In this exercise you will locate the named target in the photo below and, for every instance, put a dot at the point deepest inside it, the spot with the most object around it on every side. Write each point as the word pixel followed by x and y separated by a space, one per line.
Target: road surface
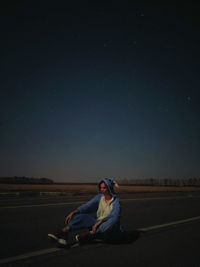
pixel 170 224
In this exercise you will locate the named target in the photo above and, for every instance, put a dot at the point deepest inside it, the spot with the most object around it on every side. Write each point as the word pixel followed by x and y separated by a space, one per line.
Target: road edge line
pixel 155 227
pixel 29 255
pixel 81 202
pixel 53 250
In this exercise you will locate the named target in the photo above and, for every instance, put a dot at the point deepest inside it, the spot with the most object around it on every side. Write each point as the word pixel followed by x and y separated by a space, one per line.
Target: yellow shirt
pixel 104 208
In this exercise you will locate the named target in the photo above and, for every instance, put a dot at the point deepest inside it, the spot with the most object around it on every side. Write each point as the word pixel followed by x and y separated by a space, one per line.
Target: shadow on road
pixel 125 237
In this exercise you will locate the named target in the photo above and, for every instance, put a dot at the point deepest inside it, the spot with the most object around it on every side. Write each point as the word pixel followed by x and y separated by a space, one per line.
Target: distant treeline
pixel 161 182
pixel 25 180
pixel 137 182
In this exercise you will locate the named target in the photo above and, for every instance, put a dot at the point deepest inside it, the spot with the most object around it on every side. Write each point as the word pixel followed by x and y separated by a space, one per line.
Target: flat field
pixel 77 189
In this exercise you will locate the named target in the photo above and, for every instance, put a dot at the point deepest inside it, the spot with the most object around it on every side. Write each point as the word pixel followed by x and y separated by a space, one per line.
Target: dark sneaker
pixel 84 237
pixel 59 236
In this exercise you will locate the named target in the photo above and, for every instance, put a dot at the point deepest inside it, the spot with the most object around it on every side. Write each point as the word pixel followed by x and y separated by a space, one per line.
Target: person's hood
pixel 110 184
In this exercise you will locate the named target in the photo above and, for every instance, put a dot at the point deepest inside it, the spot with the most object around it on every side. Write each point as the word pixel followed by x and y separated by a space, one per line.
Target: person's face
pixel 104 188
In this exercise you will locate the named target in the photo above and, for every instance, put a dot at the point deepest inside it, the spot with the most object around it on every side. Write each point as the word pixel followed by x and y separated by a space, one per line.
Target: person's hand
pixel 94 228
pixel 69 217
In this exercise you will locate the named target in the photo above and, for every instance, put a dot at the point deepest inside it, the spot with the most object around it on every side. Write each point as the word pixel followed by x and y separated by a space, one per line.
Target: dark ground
pixel 24 230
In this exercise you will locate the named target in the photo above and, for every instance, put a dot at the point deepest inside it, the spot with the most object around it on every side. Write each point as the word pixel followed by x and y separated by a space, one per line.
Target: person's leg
pixel 60 236
pixel 79 221
pixel 66 229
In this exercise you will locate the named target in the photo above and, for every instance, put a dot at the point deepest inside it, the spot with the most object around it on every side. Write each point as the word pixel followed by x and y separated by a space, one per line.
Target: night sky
pixel 99 89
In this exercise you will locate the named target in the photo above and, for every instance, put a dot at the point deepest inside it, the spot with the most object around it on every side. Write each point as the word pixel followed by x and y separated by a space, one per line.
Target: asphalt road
pixel 25 222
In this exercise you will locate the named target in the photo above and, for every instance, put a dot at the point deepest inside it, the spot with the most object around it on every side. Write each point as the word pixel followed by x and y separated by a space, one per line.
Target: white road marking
pixel 155 198
pixel 146 229
pixel 81 202
pixel 29 255
pixel 53 250
pixel 42 205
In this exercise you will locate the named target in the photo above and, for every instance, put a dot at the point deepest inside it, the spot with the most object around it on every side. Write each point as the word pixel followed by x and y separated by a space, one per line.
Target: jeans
pixel 82 221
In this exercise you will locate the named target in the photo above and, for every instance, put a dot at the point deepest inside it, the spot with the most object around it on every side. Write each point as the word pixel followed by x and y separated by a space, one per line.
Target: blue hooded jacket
pixel 112 221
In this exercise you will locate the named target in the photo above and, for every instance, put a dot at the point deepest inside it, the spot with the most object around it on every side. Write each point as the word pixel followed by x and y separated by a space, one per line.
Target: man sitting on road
pixel 107 222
